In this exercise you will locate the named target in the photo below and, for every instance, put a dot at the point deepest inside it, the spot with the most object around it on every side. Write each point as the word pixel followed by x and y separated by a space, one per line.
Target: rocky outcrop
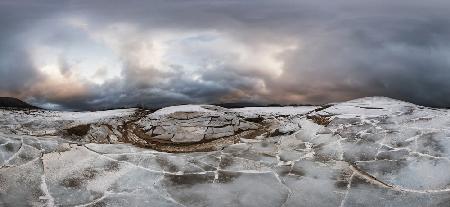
pixel 179 131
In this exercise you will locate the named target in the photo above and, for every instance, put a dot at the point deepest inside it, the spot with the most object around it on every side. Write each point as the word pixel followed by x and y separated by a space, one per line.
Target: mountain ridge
pixel 11 102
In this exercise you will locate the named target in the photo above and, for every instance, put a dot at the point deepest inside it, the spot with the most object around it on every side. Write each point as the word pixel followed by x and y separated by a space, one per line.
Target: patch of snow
pixel 89 117
pixel 287 110
pixel 180 108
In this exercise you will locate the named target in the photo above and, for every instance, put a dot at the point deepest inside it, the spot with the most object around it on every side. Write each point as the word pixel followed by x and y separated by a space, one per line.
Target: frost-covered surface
pixel 366 152
pixel 180 108
pixel 42 122
pixel 97 116
pixel 276 111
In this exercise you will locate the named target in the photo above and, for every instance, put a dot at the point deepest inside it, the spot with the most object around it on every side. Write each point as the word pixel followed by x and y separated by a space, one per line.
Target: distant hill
pixel 238 105
pixel 250 104
pixel 9 102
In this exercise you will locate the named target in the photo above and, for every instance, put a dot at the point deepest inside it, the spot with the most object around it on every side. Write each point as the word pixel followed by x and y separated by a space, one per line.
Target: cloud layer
pixel 98 54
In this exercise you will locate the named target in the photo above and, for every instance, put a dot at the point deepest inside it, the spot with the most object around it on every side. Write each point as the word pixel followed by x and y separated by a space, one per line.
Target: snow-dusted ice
pixel 372 151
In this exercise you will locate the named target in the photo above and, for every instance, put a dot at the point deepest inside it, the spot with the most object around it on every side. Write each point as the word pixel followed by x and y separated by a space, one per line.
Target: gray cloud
pixel 173 52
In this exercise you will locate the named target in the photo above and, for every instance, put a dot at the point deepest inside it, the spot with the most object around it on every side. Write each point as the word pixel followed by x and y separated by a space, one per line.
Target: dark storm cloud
pixel 400 58
pixel 341 50
pixel 16 70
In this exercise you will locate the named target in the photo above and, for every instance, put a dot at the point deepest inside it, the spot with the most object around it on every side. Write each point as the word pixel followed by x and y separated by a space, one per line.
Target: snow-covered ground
pixel 180 108
pixel 276 111
pixel 372 151
pixel 42 122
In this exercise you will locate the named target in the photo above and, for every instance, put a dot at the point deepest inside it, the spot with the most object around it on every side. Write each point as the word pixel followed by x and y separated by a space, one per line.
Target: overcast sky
pixel 87 54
